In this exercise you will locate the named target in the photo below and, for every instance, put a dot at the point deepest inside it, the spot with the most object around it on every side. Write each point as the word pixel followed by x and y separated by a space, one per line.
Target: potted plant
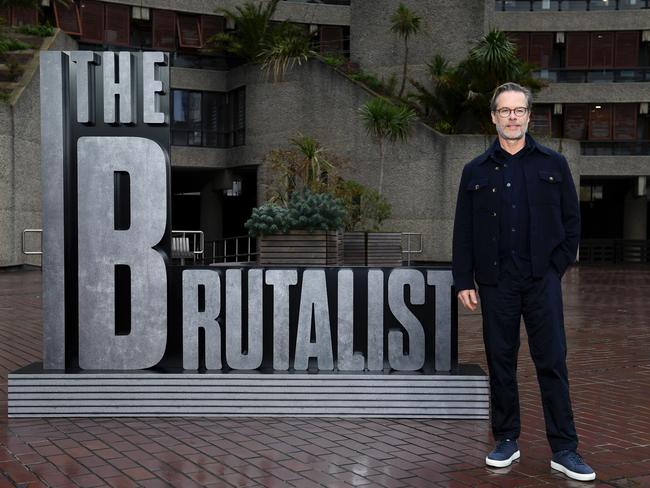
pixel 363 243
pixel 304 232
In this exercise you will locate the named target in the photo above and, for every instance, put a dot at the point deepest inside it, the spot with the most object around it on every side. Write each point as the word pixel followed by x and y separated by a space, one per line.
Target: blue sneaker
pixel 503 454
pixel 571 464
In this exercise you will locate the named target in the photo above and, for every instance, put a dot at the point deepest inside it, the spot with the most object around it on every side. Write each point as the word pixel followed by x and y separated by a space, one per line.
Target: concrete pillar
pixel 211 212
pixel 635 215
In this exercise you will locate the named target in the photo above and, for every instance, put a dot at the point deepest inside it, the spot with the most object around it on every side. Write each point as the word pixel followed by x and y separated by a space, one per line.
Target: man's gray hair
pixel 511 87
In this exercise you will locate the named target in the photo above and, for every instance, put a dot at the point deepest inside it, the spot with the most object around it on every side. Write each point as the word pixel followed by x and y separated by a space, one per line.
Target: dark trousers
pixel 539 300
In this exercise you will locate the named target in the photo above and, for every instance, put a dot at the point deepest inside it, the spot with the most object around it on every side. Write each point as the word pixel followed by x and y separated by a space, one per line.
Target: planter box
pixel 298 247
pixel 372 249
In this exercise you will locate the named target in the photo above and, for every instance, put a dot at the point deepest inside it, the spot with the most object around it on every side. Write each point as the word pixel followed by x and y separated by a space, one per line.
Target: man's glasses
pixel 505 112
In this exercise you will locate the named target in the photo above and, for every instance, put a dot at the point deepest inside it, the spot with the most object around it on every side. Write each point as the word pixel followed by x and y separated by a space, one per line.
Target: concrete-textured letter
pixel 313 303
pixel 102 248
pixel 281 279
pixel 196 316
pixel 415 358
pixel 124 89
pixel 151 86
pixel 237 359
pixel 347 359
pixel 375 320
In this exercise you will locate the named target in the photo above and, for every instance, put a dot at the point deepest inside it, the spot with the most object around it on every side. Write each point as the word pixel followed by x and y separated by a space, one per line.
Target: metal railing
pixel 238 249
pixel 614 251
pixel 408 250
pixel 187 244
pixel 23 242
pixel 606 75
pixel 568 5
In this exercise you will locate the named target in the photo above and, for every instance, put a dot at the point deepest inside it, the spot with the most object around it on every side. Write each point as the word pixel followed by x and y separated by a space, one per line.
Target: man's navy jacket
pixel 554 216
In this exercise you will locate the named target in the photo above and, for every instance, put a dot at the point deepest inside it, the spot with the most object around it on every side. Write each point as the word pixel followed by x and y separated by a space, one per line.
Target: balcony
pixel 572 75
pixel 569 5
pixel 615 148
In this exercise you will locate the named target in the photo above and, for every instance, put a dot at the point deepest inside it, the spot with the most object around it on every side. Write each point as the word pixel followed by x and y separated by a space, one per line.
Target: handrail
pixel 571 5
pixel 194 233
pixel 24 240
pixel 182 238
pixel 410 251
pixel 222 245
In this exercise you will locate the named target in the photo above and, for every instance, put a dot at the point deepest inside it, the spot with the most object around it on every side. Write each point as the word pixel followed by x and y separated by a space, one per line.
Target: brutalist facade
pixel 595 55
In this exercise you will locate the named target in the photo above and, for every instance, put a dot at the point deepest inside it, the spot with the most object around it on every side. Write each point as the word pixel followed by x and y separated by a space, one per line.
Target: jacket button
pixel 494 214
pixel 477 187
pixel 494 190
pixel 550 178
pixel 495 263
pixel 497 168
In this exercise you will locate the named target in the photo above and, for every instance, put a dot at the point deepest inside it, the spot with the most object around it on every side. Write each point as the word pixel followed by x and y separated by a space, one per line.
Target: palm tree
pixel 277 47
pixel 289 46
pixel 490 63
pixel 405 23
pixel 458 97
pixel 386 123
pixel 315 164
pixel 252 29
pixel 443 104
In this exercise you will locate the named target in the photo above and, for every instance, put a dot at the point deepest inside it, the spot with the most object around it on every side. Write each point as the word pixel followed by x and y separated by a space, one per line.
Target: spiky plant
pixel 386 122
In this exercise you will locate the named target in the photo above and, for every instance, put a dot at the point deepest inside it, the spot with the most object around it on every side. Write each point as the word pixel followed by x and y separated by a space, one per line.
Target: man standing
pixel 516 231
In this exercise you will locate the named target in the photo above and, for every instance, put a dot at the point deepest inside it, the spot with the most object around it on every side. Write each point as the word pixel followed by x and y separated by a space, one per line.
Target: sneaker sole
pixel 572 474
pixel 502 464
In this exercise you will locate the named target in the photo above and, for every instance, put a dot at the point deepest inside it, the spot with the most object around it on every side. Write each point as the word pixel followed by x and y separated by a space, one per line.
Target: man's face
pixel 511 127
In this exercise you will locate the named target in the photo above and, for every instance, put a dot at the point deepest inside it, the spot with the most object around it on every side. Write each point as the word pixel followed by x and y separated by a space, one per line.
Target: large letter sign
pixel 128 332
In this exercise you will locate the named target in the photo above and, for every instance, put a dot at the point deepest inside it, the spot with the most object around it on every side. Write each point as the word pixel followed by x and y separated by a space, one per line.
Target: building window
pixel 105 23
pixel 164 29
pixel 189 31
pixel 209 119
pixel 67 17
pixel 16 16
pixel 540 120
pixel 575 121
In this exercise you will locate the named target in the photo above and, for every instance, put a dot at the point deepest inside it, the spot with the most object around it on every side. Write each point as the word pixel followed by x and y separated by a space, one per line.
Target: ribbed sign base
pixel 34 392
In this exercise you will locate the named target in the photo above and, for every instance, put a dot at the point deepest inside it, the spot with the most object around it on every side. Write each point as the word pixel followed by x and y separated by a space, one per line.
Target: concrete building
pixel 226 117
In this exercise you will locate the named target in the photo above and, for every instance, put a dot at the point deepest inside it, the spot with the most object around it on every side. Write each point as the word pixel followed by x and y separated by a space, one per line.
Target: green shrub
pixel 315 211
pixel 305 211
pixel 269 218
pixel 334 60
pixel 37 30
pixel 8 44
pixel 367 79
pixel 365 208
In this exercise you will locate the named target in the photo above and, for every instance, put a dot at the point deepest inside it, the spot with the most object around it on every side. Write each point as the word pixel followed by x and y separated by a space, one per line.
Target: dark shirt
pixel 514 221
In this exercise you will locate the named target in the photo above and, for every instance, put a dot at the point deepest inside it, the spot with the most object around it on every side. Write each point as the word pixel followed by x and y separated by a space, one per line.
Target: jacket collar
pixel 531 144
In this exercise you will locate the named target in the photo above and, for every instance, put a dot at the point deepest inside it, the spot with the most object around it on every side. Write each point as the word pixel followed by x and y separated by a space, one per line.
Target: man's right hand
pixel 468 299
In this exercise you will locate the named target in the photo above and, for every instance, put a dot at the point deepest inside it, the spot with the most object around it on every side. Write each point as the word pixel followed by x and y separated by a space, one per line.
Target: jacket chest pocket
pixel 546 188
pixel 480 191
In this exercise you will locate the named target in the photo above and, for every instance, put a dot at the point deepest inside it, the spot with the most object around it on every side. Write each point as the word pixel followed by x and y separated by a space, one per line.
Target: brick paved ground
pixel 608 332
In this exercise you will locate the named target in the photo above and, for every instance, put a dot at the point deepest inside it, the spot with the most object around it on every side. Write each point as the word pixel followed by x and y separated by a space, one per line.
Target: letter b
pixel 102 248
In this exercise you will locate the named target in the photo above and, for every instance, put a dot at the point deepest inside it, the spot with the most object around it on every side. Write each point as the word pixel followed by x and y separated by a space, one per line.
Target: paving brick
pixel 608 337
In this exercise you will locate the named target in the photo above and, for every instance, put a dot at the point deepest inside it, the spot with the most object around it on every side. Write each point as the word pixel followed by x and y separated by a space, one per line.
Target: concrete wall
pixel 615 165
pixel 450 27
pixel 20 161
pixel 594 93
pixel 568 21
